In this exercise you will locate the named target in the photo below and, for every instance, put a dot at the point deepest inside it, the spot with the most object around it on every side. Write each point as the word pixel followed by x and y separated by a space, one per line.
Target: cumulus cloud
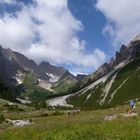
pixel 123 19
pixel 7 1
pixel 47 30
pixel 17 32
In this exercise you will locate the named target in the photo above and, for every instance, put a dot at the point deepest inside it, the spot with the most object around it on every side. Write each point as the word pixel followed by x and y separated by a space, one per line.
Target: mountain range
pixel 16 70
pixel 14 64
pixel 115 82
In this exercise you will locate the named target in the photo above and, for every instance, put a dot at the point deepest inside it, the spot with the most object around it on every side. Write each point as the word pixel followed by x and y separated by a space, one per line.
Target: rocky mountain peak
pixel 124 51
pixel 112 62
pixel 136 38
pixel 46 68
pixel 119 58
pixel 105 68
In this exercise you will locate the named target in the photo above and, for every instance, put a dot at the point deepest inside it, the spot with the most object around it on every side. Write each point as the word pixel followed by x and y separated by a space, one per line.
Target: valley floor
pixel 87 125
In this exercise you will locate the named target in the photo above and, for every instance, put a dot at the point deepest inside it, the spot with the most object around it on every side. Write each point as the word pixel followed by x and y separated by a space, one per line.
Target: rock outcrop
pixel 105 68
pixel 125 52
pixel 119 58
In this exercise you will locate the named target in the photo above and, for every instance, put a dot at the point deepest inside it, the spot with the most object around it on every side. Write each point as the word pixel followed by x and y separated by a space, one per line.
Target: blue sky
pixel 94 22
pixel 79 35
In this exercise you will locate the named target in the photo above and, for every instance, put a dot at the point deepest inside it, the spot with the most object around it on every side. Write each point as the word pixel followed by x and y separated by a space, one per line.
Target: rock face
pixel 125 52
pixel 112 62
pixel 119 58
pixel 45 70
pixel 25 63
pixel 7 69
pixel 105 68
pixel 135 48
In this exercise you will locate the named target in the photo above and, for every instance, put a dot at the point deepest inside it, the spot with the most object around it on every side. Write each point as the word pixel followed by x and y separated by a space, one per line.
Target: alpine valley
pixel 113 83
pixel 69 70
pixel 46 102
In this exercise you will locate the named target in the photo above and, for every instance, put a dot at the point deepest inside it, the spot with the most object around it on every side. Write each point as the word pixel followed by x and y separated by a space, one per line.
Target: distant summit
pixel 14 64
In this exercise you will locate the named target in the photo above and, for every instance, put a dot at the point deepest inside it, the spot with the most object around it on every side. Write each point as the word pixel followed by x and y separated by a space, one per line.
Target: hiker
pixel 132 106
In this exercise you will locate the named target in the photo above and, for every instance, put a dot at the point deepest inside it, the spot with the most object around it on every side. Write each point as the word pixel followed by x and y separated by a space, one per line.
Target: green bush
pixel 44 114
pixel 1 118
pixel 56 113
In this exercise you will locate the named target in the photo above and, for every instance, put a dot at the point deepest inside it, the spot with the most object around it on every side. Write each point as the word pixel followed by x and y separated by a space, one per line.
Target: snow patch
pixel 53 78
pixel 19 78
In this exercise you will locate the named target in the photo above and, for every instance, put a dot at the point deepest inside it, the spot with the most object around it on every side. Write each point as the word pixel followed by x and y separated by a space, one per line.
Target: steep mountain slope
pixel 64 83
pixel 80 76
pixel 7 69
pixel 113 83
pixel 25 63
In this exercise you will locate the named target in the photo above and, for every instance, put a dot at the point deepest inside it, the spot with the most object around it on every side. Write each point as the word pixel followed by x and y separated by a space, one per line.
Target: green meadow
pixel 87 125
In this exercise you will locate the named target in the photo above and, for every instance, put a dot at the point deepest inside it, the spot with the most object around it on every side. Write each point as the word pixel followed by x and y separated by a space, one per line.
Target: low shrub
pixel 1 118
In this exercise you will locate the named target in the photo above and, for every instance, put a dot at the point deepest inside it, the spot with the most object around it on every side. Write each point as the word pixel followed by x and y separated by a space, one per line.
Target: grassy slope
pixel 128 91
pixel 88 125
pixel 131 88
pixel 82 101
pixel 62 87
pixel 12 106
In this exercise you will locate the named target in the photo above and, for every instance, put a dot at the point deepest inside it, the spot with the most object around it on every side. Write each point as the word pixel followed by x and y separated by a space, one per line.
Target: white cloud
pixel 8 1
pixel 17 32
pixel 47 30
pixel 123 19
